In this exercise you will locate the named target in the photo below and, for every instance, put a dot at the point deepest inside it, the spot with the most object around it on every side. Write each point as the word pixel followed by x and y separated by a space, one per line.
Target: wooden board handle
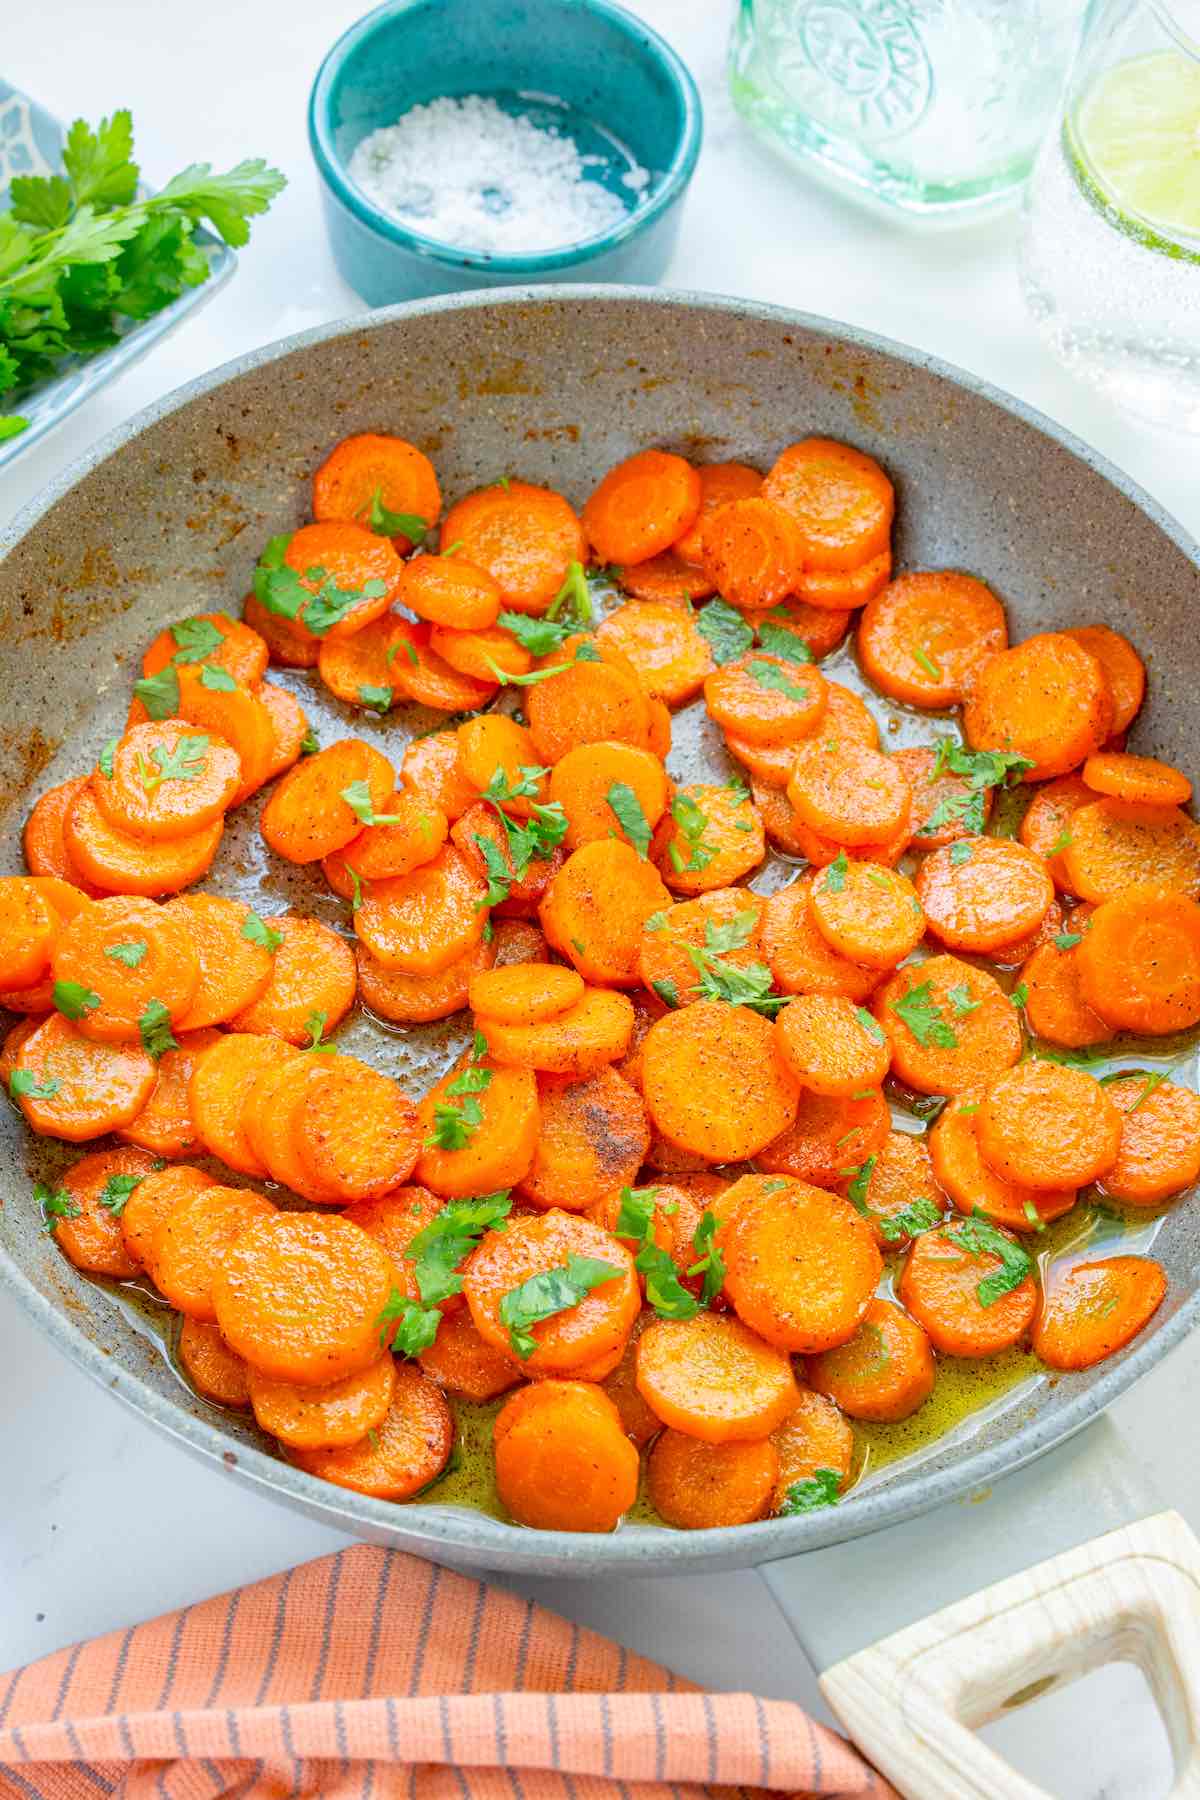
pixel 913 1701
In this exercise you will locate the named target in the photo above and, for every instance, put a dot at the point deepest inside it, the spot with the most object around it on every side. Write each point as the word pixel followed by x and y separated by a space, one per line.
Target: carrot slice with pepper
pixel 1094 1309
pixel 1160 1139
pixel 830 1045
pixel 1054 1004
pixel 663 643
pixel 712 1377
pixel 894 1189
pixel 312 976
pixel 753 552
pixel 497 745
pixel 926 636
pixel 800 1263
pixel 419 999
pixel 450 590
pixel 1123 668
pixel 580 1332
pixel 595 1031
pixel 816 1436
pixel 308 816
pixel 719 484
pixel 290 724
pixel 939 800
pixel 422 922
pixel 81 1088
pixel 349 556
pixel 676 947
pixel 119 957
pixel 462 1363
pixel 1046 699
pixel 45 848
pixel 693 1080
pixel 885 1371
pixel 563 1461
pixel 371 475
pixel 607 788
pixel 1114 845
pixel 1047 826
pixel 828 1137
pixel 801 959
pixel 114 862
pixel 403 1455
pixel 423 676
pixel 235 715
pixel 156 1195
pixel 983 893
pixel 951 1025
pixel 974 1186
pixel 1141 780
pixel 869 915
pixel 235 952
pixel 482 839
pixel 192 1241
pixel 525 993
pixel 357 1131
pixel 359 669
pixel 596 906
pixel 847 791
pixel 224 1075
pixel 666 582
pixel 1046 1125
pixel 594 697
pixel 85 1223
pixel 28 930
pixel 271 1113
pixel 415 832
pixel 592 1139
pixel 480 654
pixel 970 1286
pixel 165 1126
pixel 779 819
pixel 641 507
pixel 699 1487
pixel 1139 962
pixel 840 498
pixel 321 1418
pixel 526 538
pixel 479 1129
pixel 168 780
pixel 841 590
pixel 216 1372
pixel 289 645
pixel 214 639
pixel 711 837
pixel 299 1296
pixel 765 699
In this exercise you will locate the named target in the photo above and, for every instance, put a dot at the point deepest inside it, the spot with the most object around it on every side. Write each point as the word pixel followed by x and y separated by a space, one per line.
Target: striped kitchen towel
pixel 375 1674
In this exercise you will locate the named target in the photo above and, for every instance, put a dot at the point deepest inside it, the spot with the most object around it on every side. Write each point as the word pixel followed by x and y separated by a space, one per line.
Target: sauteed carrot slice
pixel 215 639
pixel 951 1025
pixel 662 641
pixel 830 1045
pixel 168 780
pixel 14 1037
pixel 595 1031
pixel 115 863
pixel 84 1215
pixel 563 1462
pixel 867 914
pixel 403 1455
pixel 121 964
pixel 1160 1139
pixel 419 999
pixel 843 589
pixel 828 1137
pixel 463 1363
pixel 822 628
pixel 359 669
pixel 479 1128
pixel 348 556
pixel 588 701
pixel 939 800
pixel 526 538
pixel 290 725
pixel 713 1378
pixel 165 1126
pixel 1045 1125
pixel 841 500
pixel 1139 961
pixel 592 1139
pixel 710 838
pixel 191 1243
pixel 801 959
pixel 235 715
pixel 642 507
pixel 323 1418
pixel 312 979
pixel 308 815
pixel 289 645
pixel 45 847
pixel 28 929
pixel 596 906
pixel 700 1486
pixel 800 1263
pixel 577 1335
pixel 414 834
pixel 483 656
pixel 983 893
pixel 926 636
pixel 1094 1309
pixel 693 1090
pixel 1047 826
pixel 1123 668
pixel 235 950
pixel 156 1195
pixel 885 1371
pixel 495 746
pixel 1114 845
pixel 816 1436
pixel 965 1286
pixel 370 476
pixel 676 954
pixel 525 993
pixel 780 823
pixel 483 841
pixel 847 791
pixel 719 484
pixel 422 922
pixel 665 582
pixel 1046 699
pixel 222 1079
pixel 1141 780
pixel 609 788
pixel 358 1132
pixel 299 1296
pixel 1054 1002
pixel 894 1189
pixel 753 552
pixel 215 1371
pixel 765 699
pixel 81 1088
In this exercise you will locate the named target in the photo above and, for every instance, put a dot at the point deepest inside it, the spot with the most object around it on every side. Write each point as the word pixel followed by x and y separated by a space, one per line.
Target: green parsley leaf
pixel 920 1012
pixel 155 1029
pixel 437 1251
pixel 1152 1081
pixel 379 518
pixel 54 1204
pixel 692 824
pixel 538 636
pixel 376 699
pixel 309 743
pixel 24 1082
pixel 116 1192
pixel 1020 994
pixel 573 597
pixel 1062 842
pixel 183 763
pixel 317 1041
pixel 769 675
pixel 358 798
pixel 197 639
pixel 834 879
pixel 919 1215
pixel 257 931
pixel 73 1000
pixel 217 680
pixel 814 1491
pixel 635 1216
pixel 405 1326
pixel 356 887
pixel 458 1117
pixel 105 763
pixel 961 852
pixel 788 645
pixel 499 876
pixel 869 1024
pixel 978 768
pixel 627 809
pixel 724 630
pixel 667 991
pixel 656 922
pixel 960 999
pixel 980 1238
pixel 550 1292
pixel 1032 1215
pixel 735 934
pixel 922 656
pixel 1067 940
pixel 159 694
pixel 856 1193
pixel 583 653
pixel 130 954
pixel 709 1261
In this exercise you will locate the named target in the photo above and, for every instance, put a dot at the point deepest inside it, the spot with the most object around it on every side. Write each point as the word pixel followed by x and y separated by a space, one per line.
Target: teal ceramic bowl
pixel 599 73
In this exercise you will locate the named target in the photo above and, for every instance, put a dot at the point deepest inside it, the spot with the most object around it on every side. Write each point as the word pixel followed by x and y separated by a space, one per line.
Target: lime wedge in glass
pixel 1134 142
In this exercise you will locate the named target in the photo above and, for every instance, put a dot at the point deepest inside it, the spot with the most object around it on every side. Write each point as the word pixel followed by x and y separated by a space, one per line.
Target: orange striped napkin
pixel 370 1674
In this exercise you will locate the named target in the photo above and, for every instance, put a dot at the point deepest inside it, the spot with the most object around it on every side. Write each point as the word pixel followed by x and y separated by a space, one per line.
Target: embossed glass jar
pixel 931 107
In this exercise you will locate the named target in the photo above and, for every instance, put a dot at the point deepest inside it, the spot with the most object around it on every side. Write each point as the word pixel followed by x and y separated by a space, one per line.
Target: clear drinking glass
pixel 932 107
pixel 1110 255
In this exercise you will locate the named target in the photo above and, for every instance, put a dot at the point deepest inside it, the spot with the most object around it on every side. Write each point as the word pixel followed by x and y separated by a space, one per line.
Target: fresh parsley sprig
pixel 547 1293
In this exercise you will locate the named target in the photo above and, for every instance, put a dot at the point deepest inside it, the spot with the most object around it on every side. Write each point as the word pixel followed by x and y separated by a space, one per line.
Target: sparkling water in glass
pixel 1110 253
pixel 933 107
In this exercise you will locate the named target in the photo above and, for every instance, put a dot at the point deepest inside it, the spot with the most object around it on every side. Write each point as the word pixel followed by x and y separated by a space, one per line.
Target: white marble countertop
pixel 102 1521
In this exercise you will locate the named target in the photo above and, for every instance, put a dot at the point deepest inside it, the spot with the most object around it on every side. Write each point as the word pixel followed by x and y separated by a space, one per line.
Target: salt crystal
pixel 475 177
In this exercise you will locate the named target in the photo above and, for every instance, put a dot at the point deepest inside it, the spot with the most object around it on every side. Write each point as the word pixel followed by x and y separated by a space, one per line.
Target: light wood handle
pixel 913 1701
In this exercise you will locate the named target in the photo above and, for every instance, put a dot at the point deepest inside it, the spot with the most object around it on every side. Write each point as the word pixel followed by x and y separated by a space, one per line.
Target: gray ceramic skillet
pixel 167 516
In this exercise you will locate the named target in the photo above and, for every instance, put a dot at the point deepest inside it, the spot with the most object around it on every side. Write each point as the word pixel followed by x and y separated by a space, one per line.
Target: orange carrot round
pixel 1113 845
pixel 419 999
pixel 816 1436
pixel 312 976
pixel 308 815
pixel 801 959
pixel 867 914
pixel 753 552
pixel 711 837
pixel 951 1025
pixel 526 538
pixel 191 1243
pixel 848 792
pixel 595 1031
pixel 496 745
pixel 156 1195
pixel 1047 699
pixel 1160 1140
pixel 223 1077
pixel 1094 1309
pixel 588 702
pixel 596 906
pixel 88 1230
pixel 841 500
pixel 941 797
pixel 900 1193
pixel 830 1045
pixel 114 862
pixel 713 1378
pixel 1141 780
pixel 926 636
pixel 234 951
pixel 368 476
pixel 321 1418
pixel 801 1264
pixel 693 1079
pixel 885 1371
pixel 124 955
pixel 1054 1003
pixel 450 590
pixel 1047 825
pixel 598 1323
pixel 829 1136
pixel 642 507
pixel 525 993
pixel 1123 669
pixel 662 641
pixel 941 1288
pixel 592 1139
pixel 494 1152
pixel 983 893
pixel 402 1455
pixel 422 922
pixel 1139 961
pixel 765 699
pixel 1046 1125
pixel 214 1370
pixel 719 484
pixel 242 652
pixel 81 1088
pixel 699 1486
pixel 43 842
pixel 563 1462
pixel 165 1126
pixel 462 1363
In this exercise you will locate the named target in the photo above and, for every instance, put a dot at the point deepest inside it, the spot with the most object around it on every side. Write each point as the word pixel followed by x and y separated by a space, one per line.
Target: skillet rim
pixel 474 1539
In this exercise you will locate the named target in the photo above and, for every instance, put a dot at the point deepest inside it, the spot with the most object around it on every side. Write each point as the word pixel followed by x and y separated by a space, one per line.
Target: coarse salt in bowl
pixel 462 145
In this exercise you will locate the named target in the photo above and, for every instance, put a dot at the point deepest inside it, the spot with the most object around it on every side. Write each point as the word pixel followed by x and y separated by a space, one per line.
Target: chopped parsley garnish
pixel 627 809
pixel 667 991
pixel 572 600
pixel 692 823
pixel 358 798
pixel 116 1192
pixel 54 1204
pixel 73 1000
pixel 376 699
pixel 710 1261
pixel 538 636
pixel 1063 841
pixel 869 1024
pixel 1067 940
pixel 1152 1081
pixel 257 931
pixel 219 680
pixel 922 656
pixel 857 1191
pixel 664 1290
pixel 23 1082
pixel 185 762
pixel 769 675
pixel 310 743
pixel 405 1326
pixel 961 852
pixel 198 639
pixel 738 985
pixel 320 605
pixel 550 1292
pixel 131 954
pixel 960 999
pixel 317 1041
pixel 979 770
pixel 780 641
pixel 724 630
pixel 585 652
pixel 385 523
pixel 814 1491
pixel 980 1238
pixel 458 1117
pixel 437 1251
pixel 105 764
pixel 834 879
pixel 1020 994
pixel 154 1027
pixel 159 694
pixel 920 1012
